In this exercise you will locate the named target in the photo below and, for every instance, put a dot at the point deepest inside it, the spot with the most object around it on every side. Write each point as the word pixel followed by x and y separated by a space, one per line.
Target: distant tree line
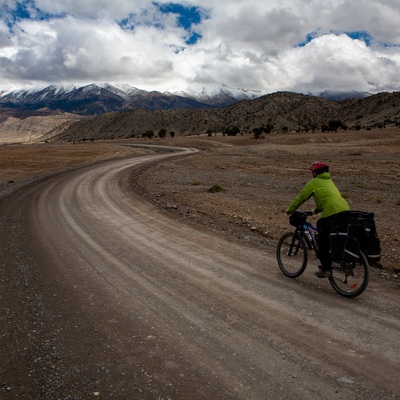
pixel 162 133
pixel 235 130
pixel 332 125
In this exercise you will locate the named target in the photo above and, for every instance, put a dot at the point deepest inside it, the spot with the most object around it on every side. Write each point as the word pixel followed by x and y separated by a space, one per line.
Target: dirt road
pixel 104 296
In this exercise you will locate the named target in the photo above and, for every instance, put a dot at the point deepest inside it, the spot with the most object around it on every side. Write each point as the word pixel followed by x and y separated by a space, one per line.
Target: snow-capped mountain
pixel 95 99
pixel 340 96
pixel 101 98
pixel 220 96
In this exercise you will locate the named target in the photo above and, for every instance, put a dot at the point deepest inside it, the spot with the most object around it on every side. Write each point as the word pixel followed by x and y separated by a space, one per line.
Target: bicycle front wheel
pixel 292 254
pixel 350 279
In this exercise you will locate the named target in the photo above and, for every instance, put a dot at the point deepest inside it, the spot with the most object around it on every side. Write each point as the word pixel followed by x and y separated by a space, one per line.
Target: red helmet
pixel 319 167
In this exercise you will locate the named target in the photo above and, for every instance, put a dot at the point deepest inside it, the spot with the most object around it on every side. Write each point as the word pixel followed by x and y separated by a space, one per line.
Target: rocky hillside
pixel 382 108
pixel 282 110
pixel 34 128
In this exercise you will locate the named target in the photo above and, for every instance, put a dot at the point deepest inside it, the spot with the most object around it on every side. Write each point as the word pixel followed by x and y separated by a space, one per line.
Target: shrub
pixel 268 128
pixel 324 128
pixel 148 134
pixel 215 188
pixel 257 133
pixel 162 133
pixel 231 130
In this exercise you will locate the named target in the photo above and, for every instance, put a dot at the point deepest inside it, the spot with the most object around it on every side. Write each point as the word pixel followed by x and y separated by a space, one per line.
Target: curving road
pixel 114 299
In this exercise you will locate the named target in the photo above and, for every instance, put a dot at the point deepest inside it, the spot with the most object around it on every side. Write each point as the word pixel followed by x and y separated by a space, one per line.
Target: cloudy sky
pixel 269 45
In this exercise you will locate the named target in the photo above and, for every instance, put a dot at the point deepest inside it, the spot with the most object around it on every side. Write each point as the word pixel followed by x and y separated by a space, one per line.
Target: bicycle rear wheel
pixel 350 279
pixel 292 254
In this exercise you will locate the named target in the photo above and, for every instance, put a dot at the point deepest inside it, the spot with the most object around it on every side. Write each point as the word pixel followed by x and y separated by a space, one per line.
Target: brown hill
pixel 379 109
pixel 34 128
pixel 282 110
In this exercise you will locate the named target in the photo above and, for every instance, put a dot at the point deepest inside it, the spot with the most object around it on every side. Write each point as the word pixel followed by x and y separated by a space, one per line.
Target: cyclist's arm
pixel 303 196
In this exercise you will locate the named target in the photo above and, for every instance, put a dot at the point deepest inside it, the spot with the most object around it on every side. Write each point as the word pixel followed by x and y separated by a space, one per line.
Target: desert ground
pixel 259 178
pixel 204 312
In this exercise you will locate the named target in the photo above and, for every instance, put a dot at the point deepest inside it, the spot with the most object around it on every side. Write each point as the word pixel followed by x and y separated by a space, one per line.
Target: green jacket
pixel 327 197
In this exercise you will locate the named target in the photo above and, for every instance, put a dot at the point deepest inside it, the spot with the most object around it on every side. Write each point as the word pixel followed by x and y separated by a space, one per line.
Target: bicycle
pixel 349 277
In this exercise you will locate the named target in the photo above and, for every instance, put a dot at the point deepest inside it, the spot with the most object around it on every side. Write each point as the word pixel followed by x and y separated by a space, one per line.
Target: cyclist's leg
pixel 324 254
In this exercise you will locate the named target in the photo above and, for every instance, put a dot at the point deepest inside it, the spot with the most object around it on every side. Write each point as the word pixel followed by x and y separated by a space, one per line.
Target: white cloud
pixel 339 63
pixel 252 44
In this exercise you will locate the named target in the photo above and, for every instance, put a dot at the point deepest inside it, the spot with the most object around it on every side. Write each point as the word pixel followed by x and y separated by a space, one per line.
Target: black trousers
pixel 323 225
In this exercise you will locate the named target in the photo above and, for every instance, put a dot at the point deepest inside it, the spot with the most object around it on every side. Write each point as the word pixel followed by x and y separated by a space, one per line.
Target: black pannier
pixel 352 231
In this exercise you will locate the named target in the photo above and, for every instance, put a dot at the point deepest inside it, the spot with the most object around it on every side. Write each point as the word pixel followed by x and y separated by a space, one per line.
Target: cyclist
pixel 329 202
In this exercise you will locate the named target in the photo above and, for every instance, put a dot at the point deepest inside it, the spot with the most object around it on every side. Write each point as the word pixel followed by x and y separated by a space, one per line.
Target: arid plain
pixel 106 312
pixel 259 178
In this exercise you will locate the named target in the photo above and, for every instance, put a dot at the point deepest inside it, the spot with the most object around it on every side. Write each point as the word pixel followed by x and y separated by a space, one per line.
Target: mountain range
pixel 97 99
pixel 282 111
pixel 110 111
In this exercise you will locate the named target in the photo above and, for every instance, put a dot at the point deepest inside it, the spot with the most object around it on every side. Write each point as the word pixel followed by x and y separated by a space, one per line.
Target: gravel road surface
pixel 105 296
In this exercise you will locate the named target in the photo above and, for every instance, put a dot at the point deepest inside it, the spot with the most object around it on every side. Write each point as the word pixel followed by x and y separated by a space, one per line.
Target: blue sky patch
pixel 361 35
pixel 193 38
pixel 27 10
pixel 21 11
pixel 309 37
pixel 187 18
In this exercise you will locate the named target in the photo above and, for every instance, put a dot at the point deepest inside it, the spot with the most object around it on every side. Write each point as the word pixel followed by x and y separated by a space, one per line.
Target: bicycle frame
pixel 308 231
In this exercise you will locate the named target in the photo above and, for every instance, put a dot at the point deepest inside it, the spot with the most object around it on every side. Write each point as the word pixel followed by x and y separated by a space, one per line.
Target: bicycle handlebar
pixel 305 213
pixel 298 218
pixel 308 213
